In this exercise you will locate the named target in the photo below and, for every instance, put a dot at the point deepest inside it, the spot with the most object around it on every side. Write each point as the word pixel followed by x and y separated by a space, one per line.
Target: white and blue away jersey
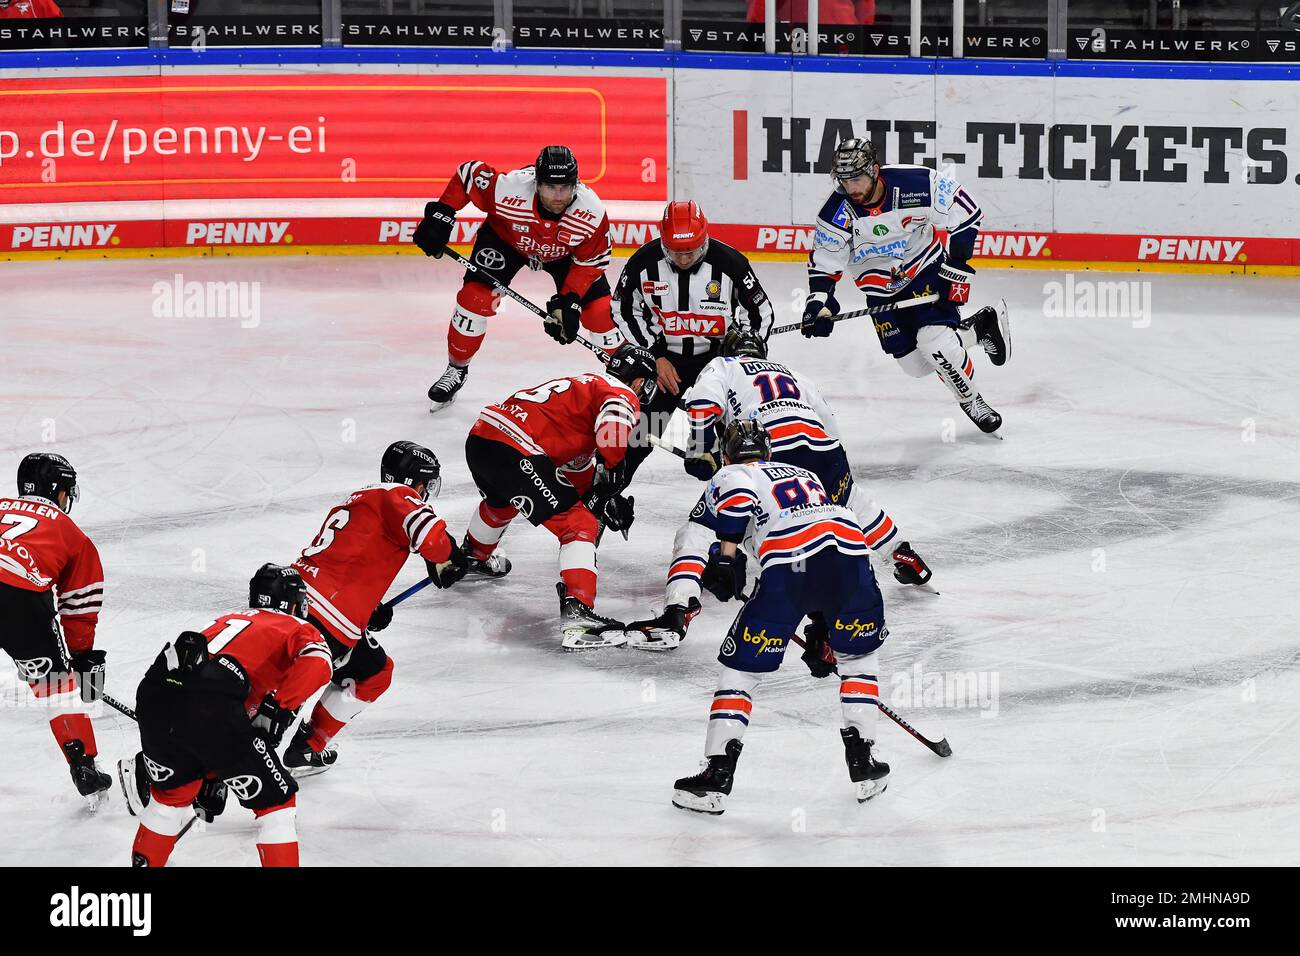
pixel 783 510
pixel 883 248
pixel 789 406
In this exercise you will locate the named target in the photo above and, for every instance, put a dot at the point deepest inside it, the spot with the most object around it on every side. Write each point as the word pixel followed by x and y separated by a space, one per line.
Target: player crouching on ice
pixel 880 223
pixel 555 454
pixel 813 561
pixel 743 384
pixel 212 709
pixel 361 547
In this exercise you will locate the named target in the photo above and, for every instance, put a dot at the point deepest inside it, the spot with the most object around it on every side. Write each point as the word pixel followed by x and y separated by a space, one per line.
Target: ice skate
pixel 869 775
pixel 707 791
pixel 582 629
pixel 443 392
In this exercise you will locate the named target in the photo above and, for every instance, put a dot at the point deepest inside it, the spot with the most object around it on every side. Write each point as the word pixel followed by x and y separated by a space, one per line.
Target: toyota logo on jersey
pixel 489 258
pixel 522 504
pixel 157 772
pixel 34 669
pixel 245 786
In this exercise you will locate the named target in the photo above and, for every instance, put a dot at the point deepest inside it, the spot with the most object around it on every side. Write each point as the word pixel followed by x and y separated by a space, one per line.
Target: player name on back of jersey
pixel 30 507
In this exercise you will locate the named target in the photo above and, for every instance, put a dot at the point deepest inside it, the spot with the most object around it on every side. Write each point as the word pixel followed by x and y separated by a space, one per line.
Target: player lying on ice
pixel 555 454
pixel 879 225
pixel 742 384
pixel 813 562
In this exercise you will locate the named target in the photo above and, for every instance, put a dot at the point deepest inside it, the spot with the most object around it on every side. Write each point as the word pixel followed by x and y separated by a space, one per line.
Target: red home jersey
pixel 277 651
pixel 42 548
pixel 566 420
pixel 362 545
pixel 509 201
pixel 30 10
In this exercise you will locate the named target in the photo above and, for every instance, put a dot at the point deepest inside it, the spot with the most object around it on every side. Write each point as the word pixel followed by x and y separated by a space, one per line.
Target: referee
pixel 678 295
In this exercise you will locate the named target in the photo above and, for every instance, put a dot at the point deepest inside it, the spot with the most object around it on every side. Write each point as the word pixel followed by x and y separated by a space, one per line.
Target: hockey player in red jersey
pixel 348 567
pixel 51 591
pixel 212 709
pixel 541 216
pixel 554 454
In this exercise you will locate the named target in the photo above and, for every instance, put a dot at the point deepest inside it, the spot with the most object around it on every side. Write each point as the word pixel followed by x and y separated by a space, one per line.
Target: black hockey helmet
pixel 746 441
pixel 630 362
pixel 278 589
pixel 406 463
pixel 557 165
pixel 853 158
pixel 742 341
pixel 43 474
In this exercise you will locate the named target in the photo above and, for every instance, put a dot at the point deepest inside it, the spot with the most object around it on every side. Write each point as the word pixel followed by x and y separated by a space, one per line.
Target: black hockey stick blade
pixel 940 747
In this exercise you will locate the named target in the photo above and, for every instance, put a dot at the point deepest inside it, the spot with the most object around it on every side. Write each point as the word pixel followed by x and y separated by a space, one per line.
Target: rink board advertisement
pixel 1061 173
pixel 257 137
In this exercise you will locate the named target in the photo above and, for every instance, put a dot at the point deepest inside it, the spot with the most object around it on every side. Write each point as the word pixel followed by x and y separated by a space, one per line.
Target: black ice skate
pixel 301 761
pixel 982 414
pixel 90 782
pixel 443 392
pixel 707 791
pixel 869 775
pixel 993 332
pixel 910 567
pixel 495 565
pixel 582 629
pixel 134 781
pixel 665 632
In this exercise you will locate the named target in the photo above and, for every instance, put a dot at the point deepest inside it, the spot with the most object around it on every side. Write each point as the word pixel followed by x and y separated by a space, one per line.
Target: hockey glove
pixel 187 653
pixel 380 618
pixel 271 720
pixel 562 315
pixel 704 467
pixel 89 666
pixel 819 316
pixel 817 653
pixel 434 231
pixel 724 576
pixel 958 275
pixel 211 799
pixel 618 512
pixel 448 572
pixel 606 481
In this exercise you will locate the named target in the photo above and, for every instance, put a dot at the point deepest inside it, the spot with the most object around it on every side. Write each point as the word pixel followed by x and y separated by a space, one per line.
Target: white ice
pixel 1123 566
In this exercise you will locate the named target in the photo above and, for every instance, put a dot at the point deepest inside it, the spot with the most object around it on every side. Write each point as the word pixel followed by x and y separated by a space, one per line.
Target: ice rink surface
pixel 1118 578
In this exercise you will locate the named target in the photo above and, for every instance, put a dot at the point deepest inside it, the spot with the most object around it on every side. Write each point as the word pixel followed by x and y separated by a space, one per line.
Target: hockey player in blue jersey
pixel 879 226
pixel 813 562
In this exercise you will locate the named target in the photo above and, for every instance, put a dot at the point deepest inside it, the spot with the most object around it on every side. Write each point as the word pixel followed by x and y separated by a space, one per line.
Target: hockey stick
pixel 495 282
pixel 526 303
pixel 120 707
pixel 940 747
pixel 415 588
pixel 874 310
